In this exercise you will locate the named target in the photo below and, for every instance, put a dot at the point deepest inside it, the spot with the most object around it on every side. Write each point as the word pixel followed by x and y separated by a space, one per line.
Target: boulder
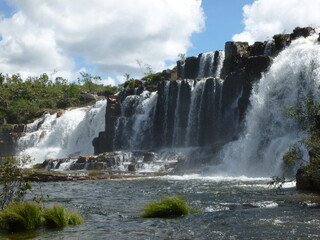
pixel 132 167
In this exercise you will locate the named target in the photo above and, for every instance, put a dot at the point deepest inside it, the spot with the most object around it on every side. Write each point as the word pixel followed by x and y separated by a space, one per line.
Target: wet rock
pixel 306 183
pixel 301 32
pixel 235 55
pixel 104 142
pixel 132 167
pixel 191 67
pixel 280 42
pixel 148 157
pixel 257 49
pixel 9 136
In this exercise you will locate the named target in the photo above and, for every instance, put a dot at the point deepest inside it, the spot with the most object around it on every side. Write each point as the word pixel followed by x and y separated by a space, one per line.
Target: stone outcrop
pixel 104 142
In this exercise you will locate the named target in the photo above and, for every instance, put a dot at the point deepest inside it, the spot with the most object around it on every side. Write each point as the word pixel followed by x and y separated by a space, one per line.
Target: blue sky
pixel 109 37
pixel 224 18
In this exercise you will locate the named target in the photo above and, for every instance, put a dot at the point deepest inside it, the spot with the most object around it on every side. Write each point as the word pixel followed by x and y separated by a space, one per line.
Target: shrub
pixel 168 207
pixel 20 216
pixel 58 216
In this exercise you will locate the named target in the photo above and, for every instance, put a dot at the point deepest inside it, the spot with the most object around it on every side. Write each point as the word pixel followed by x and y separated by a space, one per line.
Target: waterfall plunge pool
pixel 231 208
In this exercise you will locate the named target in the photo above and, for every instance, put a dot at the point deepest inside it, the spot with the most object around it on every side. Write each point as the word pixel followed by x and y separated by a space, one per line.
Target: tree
pixel 14 187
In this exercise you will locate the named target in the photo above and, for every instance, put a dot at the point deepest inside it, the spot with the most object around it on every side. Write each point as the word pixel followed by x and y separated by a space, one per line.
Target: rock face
pixel 306 183
pixel 9 136
pixel 301 32
pixel 104 142
pixel 188 113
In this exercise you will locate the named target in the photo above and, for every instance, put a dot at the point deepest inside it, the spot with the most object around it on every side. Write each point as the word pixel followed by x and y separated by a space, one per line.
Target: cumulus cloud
pixel 109 35
pixel 264 18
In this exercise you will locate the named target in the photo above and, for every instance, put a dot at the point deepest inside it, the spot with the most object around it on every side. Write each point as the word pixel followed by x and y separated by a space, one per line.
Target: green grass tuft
pixel 55 217
pixel 58 216
pixel 168 207
pixel 19 216
pixel 74 218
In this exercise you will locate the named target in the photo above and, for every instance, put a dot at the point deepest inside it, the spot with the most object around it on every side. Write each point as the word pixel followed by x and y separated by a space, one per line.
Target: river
pixel 230 208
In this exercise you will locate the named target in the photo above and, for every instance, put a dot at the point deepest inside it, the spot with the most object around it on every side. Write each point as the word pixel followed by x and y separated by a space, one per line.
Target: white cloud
pixel 265 18
pixel 109 35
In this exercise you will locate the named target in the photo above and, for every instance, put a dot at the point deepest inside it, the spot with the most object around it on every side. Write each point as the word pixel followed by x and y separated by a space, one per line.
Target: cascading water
pixel 134 125
pixel 59 137
pixel 181 114
pixel 293 76
pixel 210 64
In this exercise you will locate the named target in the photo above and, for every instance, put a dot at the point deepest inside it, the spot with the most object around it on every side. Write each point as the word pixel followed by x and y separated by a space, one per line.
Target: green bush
pixel 58 216
pixel 168 207
pixel 20 216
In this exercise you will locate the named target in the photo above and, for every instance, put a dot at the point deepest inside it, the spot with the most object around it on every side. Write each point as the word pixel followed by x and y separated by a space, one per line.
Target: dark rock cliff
pixel 9 135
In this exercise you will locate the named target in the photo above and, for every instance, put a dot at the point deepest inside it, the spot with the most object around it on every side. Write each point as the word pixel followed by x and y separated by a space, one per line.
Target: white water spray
pixel 293 76
pixel 59 137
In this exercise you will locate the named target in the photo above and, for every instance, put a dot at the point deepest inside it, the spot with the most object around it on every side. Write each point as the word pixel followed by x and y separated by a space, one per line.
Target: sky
pixel 111 38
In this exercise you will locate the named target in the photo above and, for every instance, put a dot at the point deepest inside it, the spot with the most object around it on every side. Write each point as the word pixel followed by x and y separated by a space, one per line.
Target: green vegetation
pixel 21 216
pixel 18 216
pixel 168 207
pixel 22 101
pixel 309 117
pixel 58 216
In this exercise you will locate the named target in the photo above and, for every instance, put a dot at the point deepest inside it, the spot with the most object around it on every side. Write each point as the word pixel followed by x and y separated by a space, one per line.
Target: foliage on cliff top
pixel 22 101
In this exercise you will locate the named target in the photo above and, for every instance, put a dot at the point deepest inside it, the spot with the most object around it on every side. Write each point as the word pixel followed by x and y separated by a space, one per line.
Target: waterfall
pixel 181 114
pixel 220 60
pixel 268 48
pixel 206 65
pixel 58 137
pixel 293 76
pixel 134 126
pixel 210 64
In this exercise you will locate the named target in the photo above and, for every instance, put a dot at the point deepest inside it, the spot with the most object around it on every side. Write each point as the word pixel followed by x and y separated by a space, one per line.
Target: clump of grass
pixel 74 218
pixel 19 216
pixel 168 207
pixel 58 216
pixel 94 173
